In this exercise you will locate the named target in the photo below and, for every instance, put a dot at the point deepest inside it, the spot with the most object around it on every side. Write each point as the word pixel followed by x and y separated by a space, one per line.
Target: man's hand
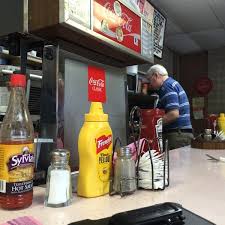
pixel 170 116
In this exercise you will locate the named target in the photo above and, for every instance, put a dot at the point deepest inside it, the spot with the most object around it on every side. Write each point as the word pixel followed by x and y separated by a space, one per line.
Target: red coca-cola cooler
pixel 151 119
pixel 152 127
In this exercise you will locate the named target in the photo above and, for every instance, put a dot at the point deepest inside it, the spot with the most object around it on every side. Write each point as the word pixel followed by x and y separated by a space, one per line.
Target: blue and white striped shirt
pixel 172 96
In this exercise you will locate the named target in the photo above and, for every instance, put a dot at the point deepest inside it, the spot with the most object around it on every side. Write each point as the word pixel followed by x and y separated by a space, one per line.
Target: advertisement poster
pixel 198 104
pixel 159 30
pixel 96 84
pixel 115 21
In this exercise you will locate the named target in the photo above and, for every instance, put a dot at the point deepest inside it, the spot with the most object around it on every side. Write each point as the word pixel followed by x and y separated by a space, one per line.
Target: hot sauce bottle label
pixel 16 168
pixel 104 155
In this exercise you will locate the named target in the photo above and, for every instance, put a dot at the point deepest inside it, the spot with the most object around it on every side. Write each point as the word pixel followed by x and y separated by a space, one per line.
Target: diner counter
pixel 195 182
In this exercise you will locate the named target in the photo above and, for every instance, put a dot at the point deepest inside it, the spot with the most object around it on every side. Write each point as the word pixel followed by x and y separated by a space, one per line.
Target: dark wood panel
pixel 43 13
pixel 191 68
pixel 213 145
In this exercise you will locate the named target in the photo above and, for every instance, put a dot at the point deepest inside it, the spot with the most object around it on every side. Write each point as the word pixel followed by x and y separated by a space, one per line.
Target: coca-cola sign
pixel 103 142
pixel 203 85
pixel 118 23
pixel 96 84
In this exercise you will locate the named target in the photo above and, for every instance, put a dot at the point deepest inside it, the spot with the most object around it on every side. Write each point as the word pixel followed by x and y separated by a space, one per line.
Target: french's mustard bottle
pixel 95 153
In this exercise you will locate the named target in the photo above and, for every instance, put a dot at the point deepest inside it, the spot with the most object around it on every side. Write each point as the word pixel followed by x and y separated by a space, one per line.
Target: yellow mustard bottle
pixel 95 153
pixel 221 122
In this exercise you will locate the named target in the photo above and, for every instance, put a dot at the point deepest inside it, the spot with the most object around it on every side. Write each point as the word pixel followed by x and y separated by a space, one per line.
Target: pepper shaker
pixel 124 172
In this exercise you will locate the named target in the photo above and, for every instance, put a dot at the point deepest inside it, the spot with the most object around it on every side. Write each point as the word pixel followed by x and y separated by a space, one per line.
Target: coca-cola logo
pixel 21 160
pixel 97 84
pixel 103 142
pixel 127 22
pixel 124 20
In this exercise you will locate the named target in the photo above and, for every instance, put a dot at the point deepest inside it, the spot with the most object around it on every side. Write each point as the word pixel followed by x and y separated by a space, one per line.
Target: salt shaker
pixel 124 172
pixel 59 188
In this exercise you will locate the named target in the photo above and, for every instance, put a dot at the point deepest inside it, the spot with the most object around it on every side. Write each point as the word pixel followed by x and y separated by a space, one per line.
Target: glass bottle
pixel 59 186
pixel 16 149
pixel 124 172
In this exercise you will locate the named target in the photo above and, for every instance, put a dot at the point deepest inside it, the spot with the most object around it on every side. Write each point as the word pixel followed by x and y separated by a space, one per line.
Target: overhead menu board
pixel 135 5
pixel 148 12
pixel 78 11
pixel 159 30
pixel 147 40
pixel 147 31
pixel 115 21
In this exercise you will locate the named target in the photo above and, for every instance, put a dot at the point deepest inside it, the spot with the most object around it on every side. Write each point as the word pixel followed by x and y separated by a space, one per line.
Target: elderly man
pixel 177 126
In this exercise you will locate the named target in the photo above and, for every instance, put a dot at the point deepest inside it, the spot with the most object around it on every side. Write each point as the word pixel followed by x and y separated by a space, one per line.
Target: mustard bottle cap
pixel 222 115
pixel 96 113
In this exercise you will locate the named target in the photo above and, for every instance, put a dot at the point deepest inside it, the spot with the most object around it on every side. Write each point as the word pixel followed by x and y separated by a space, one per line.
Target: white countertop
pixel 195 182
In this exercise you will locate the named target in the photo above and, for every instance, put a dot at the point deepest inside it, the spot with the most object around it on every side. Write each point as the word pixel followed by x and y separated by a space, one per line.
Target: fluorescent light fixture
pixel 36 76
pixel 7 71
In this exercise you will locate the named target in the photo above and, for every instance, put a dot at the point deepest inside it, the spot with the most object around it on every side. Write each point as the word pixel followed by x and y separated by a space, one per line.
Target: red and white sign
pixel 115 21
pixel 96 84
pixel 103 143
pixel 203 85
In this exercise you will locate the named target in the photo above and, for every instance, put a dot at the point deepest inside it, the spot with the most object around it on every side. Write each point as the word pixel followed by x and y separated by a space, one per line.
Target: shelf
pixel 31 60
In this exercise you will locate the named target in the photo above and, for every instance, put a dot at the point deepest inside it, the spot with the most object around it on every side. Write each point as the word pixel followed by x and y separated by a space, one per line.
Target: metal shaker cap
pixel 60 155
pixel 124 151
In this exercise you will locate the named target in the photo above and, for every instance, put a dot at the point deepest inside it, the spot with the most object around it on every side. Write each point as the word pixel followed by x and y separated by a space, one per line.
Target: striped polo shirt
pixel 172 96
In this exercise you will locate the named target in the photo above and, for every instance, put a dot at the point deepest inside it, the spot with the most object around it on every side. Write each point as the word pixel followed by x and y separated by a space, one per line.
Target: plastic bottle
pixel 16 150
pixel 95 153
pixel 221 122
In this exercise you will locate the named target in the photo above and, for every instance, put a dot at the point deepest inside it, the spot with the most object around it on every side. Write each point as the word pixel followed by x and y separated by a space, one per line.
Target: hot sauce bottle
pixel 16 150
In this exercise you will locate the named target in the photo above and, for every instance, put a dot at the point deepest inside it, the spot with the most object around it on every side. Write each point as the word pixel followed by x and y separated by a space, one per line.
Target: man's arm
pixel 170 116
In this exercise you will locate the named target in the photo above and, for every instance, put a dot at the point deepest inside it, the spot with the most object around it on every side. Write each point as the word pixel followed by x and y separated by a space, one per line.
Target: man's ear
pixel 156 74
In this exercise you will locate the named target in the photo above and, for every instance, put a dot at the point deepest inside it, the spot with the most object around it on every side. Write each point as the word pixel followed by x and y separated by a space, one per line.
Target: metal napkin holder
pixel 165 158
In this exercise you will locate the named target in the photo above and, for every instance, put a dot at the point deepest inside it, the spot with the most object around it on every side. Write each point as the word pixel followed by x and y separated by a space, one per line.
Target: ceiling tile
pixel 189 15
pixel 182 44
pixel 210 39
pixel 172 28
pixel 193 25
pixel 218 6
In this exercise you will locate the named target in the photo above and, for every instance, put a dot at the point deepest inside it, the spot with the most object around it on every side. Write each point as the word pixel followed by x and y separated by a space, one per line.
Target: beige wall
pixel 216 72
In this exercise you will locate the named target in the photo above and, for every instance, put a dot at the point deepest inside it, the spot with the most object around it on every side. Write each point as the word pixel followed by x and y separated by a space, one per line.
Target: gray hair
pixel 157 69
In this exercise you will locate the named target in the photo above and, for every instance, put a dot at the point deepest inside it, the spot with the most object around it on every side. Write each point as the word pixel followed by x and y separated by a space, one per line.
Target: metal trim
pixel 25 16
pixel 57 88
pixel 141 36
pixel 62 11
pixel 92 14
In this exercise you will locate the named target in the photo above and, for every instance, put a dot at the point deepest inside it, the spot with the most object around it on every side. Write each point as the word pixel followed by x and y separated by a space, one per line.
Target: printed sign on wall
pixel 159 30
pixel 115 21
pixel 96 84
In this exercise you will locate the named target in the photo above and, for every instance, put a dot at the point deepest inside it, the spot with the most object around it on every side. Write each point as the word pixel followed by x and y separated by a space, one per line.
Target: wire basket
pixel 153 167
